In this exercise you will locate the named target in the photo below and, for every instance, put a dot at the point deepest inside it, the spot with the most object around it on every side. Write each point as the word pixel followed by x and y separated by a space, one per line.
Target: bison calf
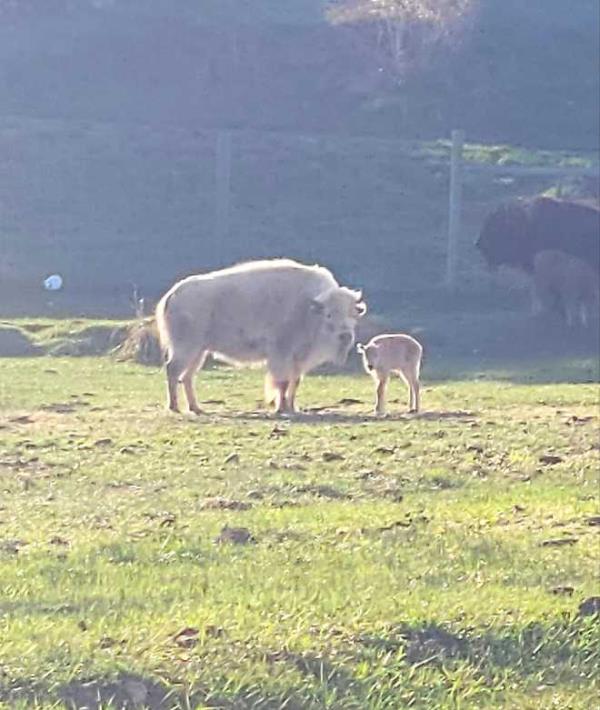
pixel 386 354
pixel 564 282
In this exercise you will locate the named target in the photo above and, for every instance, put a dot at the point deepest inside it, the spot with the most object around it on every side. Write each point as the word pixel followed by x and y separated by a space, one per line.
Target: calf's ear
pixel 360 348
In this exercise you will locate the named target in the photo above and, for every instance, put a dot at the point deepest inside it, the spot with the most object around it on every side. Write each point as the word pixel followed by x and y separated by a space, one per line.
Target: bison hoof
pixel 195 410
pixel 174 409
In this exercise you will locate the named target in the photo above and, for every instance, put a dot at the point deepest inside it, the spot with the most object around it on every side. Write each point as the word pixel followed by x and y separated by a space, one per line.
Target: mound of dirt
pixel 140 343
pixel 95 340
pixel 15 343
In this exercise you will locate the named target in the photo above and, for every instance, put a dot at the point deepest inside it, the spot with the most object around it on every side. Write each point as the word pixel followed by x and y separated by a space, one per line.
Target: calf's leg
pixel 410 376
pixel 415 394
pixel 380 389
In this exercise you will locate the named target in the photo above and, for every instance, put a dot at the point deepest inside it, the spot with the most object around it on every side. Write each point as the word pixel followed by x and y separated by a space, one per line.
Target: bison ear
pixel 361 306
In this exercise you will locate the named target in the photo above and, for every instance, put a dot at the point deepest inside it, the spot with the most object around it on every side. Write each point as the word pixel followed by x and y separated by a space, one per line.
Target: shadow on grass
pixel 514 348
pixel 567 647
pixel 325 415
pixel 543 371
pixel 135 692
pixel 526 650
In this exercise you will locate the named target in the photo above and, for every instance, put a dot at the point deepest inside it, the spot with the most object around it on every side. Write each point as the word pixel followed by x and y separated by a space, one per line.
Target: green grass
pixel 409 571
pixel 508 155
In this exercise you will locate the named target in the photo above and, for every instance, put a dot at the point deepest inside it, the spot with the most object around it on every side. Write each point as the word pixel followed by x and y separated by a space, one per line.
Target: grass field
pixel 429 562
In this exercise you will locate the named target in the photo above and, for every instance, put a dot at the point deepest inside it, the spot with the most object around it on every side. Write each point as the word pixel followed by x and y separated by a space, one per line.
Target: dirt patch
pixel 127 691
pixel 235 536
pixel 320 491
pixel 590 607
pixel 35 327
pixel 219 503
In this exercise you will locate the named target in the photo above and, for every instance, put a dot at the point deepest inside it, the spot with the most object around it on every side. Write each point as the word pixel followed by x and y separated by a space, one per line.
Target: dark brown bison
pixel 515 232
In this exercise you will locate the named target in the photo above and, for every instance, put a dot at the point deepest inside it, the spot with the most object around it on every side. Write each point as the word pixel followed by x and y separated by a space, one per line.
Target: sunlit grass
pixel 405 568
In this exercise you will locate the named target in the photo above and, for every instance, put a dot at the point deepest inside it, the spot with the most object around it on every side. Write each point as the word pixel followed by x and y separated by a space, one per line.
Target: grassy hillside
pixel 521 72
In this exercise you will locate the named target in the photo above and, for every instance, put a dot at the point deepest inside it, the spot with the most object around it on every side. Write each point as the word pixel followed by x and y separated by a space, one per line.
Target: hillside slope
pixel 523 72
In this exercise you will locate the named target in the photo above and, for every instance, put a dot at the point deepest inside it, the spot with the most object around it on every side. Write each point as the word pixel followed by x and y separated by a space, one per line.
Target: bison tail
pixel 162 325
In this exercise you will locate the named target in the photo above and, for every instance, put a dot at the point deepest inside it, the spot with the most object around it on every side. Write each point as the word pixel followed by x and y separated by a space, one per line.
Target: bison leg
pixel 175 367
pixel 281 406
pixel 188 381
pixel 291 394
pixel 380 394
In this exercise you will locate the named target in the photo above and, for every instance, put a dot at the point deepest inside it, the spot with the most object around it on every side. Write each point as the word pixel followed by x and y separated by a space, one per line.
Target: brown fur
pixel 515 232
pixel 565 283
pixel 399 354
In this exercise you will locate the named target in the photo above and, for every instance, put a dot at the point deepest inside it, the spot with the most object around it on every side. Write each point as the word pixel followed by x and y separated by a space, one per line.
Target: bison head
pixel 337 310
pixel 505 237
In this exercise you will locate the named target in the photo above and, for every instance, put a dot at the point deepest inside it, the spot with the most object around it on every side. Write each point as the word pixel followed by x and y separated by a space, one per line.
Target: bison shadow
pixel 327 415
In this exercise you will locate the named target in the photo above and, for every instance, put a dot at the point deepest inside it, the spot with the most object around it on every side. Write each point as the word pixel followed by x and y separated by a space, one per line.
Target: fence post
pixel 454 207
pixel 222 186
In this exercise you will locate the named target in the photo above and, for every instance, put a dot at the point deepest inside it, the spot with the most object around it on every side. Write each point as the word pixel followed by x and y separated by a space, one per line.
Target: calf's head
pixel 369 355
pixel 338 311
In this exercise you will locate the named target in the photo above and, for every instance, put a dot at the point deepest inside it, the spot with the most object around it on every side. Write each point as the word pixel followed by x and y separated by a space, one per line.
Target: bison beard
pixel 291 316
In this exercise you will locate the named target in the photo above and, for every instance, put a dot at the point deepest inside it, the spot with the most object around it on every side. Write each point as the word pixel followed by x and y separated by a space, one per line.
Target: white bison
pixel 288 315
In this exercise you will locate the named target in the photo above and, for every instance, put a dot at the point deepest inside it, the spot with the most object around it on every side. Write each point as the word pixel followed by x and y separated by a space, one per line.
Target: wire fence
pixel 108 205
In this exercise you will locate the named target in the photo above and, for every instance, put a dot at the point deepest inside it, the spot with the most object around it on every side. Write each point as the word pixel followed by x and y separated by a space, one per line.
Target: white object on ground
pixel 53 282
